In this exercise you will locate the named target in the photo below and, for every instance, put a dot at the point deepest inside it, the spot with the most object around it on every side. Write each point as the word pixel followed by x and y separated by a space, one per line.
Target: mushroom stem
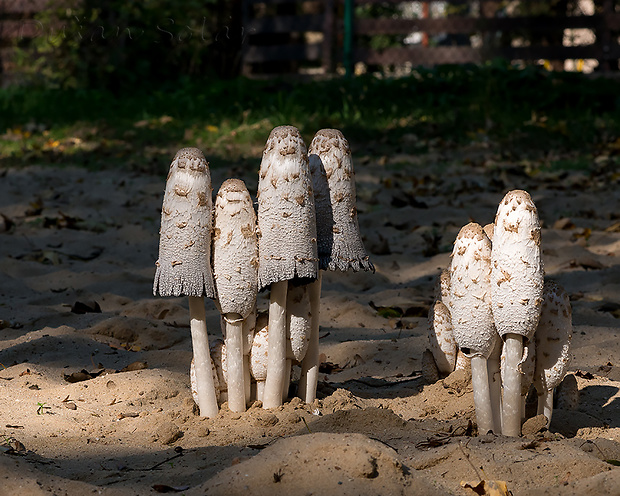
pixel 545 405
pixel 310 363
pixel 276 357
pixel 482 394
pixel 495 385
pixel 260 390
pixel 205 387
pixel 511 408
pixel 235 377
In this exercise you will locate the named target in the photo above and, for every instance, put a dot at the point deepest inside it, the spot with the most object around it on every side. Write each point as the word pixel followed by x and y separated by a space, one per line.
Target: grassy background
pixel 525 114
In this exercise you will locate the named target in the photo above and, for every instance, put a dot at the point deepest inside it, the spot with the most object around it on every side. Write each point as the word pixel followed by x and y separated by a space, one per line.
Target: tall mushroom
pixel 287 242
pixel 339 241
pixel 235 268
pixel 517 289
pixel 472 320
pixel 553 340
pixel 184 264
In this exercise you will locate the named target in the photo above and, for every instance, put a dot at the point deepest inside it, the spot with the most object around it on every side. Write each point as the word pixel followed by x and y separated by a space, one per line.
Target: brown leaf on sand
pixel 585 233
pixel 134 366
pixel 81 307
pixel 586 263
pixel 82 375
pixel 163 488
pixel 487 488
pixel 564 223
pixel 615 227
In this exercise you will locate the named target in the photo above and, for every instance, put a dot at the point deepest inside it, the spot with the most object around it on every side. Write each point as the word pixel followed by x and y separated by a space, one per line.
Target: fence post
pixel 347 56
pixel 605 37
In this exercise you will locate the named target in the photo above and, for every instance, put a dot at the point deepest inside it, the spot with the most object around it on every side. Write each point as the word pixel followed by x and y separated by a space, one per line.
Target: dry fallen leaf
pixel 488 488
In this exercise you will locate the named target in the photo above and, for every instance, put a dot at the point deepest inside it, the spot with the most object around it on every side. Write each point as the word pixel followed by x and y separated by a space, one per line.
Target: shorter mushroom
pixel 553 341
pixel 235 267
pixel 259 354
pixel 441 338
pixel 472 320
pixel 298 322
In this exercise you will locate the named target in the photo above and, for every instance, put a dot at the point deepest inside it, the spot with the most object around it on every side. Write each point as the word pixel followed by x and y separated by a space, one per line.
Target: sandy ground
pixel 77 253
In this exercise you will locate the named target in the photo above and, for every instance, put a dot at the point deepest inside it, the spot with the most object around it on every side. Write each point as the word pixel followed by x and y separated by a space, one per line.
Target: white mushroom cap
pixel 553 338
pixel 517 275
pixel 298 318
pixel 442 288
pixel 463 362
pixel 260 348
pixel 235 249
pixel 488 230
pixel 470 293
pixel 340 241
pixel 286 216
pixel 184 264
pixel 441 338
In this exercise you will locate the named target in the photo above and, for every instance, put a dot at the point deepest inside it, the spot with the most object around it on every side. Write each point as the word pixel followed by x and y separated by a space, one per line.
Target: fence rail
pixel 314 35
pixel 545 33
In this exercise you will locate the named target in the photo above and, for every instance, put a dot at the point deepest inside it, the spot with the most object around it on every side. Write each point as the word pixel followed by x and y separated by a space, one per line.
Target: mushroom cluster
pixel 494 307
pixel 229 252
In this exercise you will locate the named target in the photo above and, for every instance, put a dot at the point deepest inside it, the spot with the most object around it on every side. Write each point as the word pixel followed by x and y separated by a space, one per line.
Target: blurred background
pixel 97 83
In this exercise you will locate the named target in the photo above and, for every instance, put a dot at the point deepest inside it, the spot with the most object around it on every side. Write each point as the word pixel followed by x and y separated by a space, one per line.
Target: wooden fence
pixel 497 36
pixel 16 24
pixel 331 36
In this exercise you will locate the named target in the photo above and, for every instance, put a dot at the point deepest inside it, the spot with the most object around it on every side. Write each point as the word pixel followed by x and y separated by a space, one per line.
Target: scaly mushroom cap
pixel 441 338
pixel 517 275
pixel 286 217
pixel 260 348
pixel 470 292
pixel 553 338
pixel 342 248
pixel 235 249
pixel 488 230
pixel 298 318
pixel 184 264
pixel 442 287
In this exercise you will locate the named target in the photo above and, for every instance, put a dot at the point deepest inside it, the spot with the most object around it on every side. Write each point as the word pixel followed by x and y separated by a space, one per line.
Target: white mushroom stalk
pixel 235 268
pixel 339 241
pixel 214 372
pixel 287 242
pixel 553 341
pixel 184 264
pixel 517 286
pixel 472 320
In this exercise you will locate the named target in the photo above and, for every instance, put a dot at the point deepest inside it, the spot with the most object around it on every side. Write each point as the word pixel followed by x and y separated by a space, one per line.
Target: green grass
pixel 522 113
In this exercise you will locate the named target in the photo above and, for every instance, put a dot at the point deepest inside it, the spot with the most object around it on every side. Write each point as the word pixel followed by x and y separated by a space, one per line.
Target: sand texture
pixel 94 371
